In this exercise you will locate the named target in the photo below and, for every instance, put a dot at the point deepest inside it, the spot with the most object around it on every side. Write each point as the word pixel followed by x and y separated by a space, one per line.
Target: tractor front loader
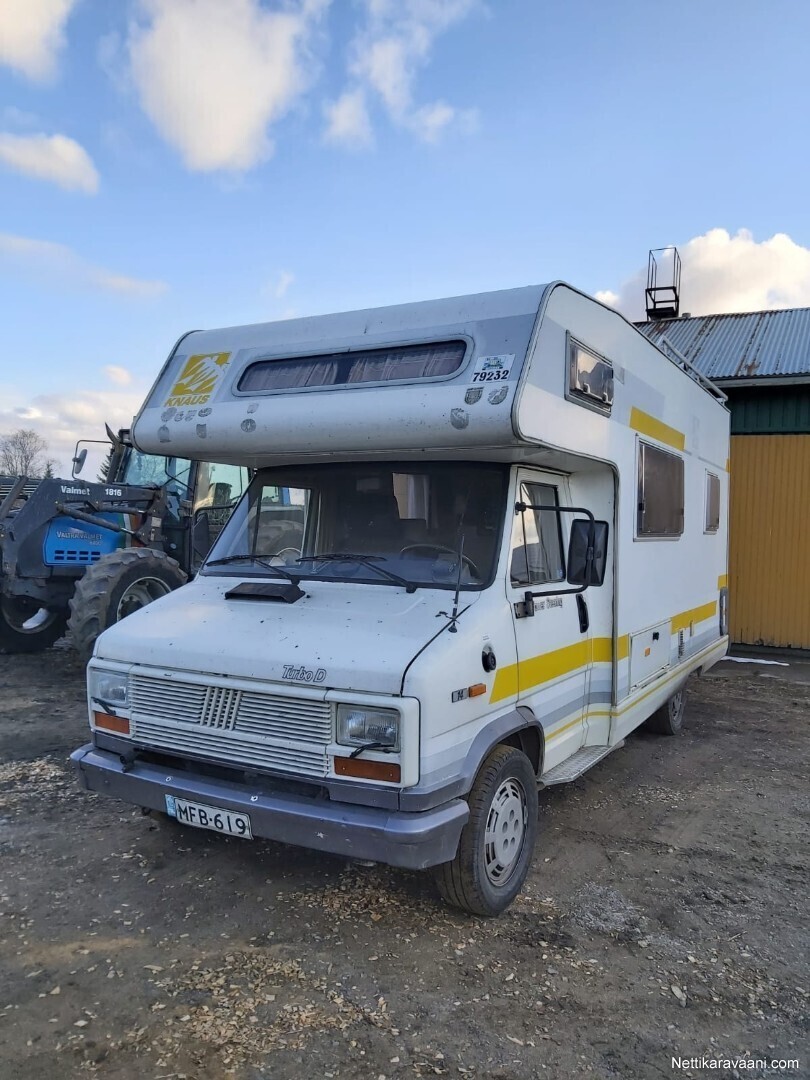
pixel 88 554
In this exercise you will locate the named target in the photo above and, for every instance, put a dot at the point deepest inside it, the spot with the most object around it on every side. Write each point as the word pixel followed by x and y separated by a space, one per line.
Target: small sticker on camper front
pixel 492 368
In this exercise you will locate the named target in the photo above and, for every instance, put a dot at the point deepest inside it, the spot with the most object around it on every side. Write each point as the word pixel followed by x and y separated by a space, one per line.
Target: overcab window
pixel 660 493
pixel 397 363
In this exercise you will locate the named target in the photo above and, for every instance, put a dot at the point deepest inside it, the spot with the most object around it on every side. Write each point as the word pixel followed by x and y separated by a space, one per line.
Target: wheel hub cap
pixel 139 594
pixel 26 618
pixel 506 829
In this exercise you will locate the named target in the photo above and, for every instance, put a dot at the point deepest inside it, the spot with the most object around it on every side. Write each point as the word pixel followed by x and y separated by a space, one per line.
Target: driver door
pixel 553 649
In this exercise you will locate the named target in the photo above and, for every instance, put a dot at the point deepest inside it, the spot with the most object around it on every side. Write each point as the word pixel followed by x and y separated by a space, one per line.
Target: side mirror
pixel 79 460
pixel 583 535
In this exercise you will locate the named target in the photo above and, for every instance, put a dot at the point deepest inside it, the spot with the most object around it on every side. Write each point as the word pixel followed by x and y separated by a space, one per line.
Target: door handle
pixel 582 611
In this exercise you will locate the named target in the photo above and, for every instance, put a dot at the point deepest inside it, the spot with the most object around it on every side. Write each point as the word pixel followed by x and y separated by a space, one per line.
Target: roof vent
pixel 663 290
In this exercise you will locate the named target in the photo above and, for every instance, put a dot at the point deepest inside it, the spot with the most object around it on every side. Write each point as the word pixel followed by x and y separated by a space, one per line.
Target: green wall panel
pixel 769 411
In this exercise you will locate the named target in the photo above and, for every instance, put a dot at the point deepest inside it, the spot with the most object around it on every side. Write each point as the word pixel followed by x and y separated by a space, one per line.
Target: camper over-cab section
pixel 470 374
pixel 485 539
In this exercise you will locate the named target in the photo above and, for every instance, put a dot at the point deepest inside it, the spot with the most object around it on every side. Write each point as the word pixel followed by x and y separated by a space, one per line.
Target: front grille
pixel 245 727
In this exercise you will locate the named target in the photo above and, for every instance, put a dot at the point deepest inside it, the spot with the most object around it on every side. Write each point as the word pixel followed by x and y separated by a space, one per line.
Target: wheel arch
pixel 519 728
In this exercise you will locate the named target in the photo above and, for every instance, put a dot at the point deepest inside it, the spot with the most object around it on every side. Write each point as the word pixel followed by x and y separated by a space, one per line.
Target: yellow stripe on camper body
pixel 656 429
pixel 722 581
pixel 543 668
pixel 694 615
pixel 637 699
pixel 551 665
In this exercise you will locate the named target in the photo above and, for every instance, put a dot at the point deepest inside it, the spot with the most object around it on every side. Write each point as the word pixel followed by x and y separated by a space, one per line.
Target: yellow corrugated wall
pixel 769 540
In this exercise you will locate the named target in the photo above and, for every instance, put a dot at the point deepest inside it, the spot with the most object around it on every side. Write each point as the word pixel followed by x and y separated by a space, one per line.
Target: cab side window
pixel 537 550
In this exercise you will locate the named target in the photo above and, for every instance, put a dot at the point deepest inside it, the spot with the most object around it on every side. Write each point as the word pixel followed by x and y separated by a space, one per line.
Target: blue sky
pixel 172 164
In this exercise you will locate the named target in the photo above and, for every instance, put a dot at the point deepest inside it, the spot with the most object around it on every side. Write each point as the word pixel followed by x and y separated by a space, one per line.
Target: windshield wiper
pixel 365 560
pixel 280 570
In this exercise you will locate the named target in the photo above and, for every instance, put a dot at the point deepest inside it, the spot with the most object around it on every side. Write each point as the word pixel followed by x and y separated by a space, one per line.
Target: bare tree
pixel 23 453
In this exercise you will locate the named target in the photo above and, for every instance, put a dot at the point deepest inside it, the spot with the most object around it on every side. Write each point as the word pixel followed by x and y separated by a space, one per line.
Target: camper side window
pixel 537 552
pixel 712 503
pixel 590 378
pixel 660 493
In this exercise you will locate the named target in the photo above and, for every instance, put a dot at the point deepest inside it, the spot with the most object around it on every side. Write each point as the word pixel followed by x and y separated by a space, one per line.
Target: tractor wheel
pixel 116 586
pixel 25 627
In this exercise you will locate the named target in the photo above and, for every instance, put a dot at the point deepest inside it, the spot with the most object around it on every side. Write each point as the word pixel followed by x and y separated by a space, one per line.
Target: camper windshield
pixel 380 524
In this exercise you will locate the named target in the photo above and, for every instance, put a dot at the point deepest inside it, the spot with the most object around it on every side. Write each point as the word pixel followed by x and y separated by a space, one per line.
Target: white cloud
pixel 55 158
pixel 724 273
pixel 118 375
pixel 284 281
pixel 387 54
pixel 18 118
pixel 607 296
pixel 32 33
pixel 59 262
pixel 213 75
pixel 64 417
pixel 347 119
pixel 277 287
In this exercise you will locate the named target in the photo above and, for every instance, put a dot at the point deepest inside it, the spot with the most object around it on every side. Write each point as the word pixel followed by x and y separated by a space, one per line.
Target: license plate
pixel 214 818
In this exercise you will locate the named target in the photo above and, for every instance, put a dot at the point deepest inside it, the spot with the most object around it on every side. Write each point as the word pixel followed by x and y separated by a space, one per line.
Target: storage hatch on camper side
pixel 649 654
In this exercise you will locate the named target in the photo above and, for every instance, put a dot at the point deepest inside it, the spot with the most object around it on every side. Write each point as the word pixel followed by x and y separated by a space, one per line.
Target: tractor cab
pixel 126 529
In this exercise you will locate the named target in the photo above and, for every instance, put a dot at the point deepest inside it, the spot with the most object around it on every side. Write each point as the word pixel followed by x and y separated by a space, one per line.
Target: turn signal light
pixel 118 724
pixel 367 770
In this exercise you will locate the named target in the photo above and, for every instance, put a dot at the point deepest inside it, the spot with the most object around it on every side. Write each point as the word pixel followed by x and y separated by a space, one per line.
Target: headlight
pixel 108 688
pixel 357 726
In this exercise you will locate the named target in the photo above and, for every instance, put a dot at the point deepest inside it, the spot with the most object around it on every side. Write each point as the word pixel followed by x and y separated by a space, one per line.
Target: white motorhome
pixel 485 541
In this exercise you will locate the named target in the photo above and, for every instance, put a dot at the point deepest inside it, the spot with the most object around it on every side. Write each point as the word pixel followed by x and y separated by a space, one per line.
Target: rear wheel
pixel 115 587
pixel 668 720
pixel 25 627
pixel 496 845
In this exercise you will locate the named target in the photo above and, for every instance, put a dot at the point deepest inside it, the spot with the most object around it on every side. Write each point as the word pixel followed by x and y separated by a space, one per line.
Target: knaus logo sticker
pixel 198 379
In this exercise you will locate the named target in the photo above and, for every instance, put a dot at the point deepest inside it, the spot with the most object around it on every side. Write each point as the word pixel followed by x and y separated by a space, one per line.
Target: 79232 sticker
pixel 492 368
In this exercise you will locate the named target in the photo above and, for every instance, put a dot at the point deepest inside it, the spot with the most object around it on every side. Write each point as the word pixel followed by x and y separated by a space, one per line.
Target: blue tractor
pixel 89 553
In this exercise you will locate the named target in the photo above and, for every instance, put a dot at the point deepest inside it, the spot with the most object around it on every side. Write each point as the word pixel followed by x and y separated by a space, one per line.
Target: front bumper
pixel 412 840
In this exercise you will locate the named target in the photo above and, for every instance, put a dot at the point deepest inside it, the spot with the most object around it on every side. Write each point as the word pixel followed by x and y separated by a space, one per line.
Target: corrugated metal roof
pixel 756 344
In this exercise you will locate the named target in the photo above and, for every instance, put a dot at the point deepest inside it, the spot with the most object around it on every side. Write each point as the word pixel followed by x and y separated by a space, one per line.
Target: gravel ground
pixel 665 915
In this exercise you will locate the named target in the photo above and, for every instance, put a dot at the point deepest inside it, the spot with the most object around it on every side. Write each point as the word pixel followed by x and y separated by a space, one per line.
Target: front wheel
pixel 496 845
pixel 116 586
pixel 25 627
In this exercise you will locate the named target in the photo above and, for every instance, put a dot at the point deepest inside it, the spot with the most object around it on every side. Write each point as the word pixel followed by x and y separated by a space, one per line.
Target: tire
pixel 25 627
pixel 116 586
pixel 487 874
pixel 668 720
